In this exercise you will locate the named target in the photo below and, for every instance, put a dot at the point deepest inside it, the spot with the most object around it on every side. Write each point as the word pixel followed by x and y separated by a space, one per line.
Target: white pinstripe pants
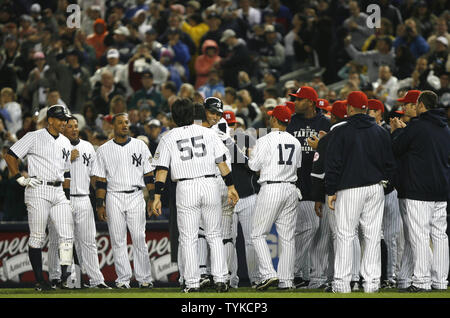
pixel 430 263
pixel 276 203
pixel 243 212
pixel 85 244
pixel 306 228
pixel 44 202
pixel 200 199
pixel 363 205
pixel 123 211
pixel 392 226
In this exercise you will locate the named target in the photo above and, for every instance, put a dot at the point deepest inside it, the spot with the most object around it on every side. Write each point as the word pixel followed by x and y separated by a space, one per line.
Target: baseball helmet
pixel 214 104
pixel 58 111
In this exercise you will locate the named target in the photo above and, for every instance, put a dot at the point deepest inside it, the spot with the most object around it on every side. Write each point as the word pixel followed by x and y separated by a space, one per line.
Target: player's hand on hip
pixel 101 213
pixel 156 207
pixel 331 200
pixel 74 155
pixel 28 182
pixel 318 207
pixel 233 196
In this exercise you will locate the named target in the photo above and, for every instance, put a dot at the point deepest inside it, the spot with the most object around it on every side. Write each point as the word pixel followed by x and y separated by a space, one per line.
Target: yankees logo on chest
pixel 86 159
pixel 65 154
pixel 137 161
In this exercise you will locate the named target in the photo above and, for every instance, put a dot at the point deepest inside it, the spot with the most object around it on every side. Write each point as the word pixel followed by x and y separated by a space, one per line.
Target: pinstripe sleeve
pixel 220 150
pixel 93 160
pixel 257 155
pixel 23 146
pixel 99 168
pixel 147 159
pixel 162 156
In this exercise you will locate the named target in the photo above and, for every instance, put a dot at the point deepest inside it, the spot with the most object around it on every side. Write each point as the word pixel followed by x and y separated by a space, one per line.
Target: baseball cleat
pixel 413 289
pixel 324 286
pixel 148 285
pixel 55 283
pixel 221 287
pixel 191 290
pixel 101 286
pixel 300 282
pixel 388 284
pixel 123 285
pixel 286 288
pixel 205 281
pixel 42 286
pixel 329 289
pixel 354 285
pixel 267 283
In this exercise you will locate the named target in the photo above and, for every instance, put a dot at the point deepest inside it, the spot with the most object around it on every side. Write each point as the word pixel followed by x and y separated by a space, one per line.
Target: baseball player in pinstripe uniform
pixel 306 122
pixel 193 153
pixel 392 222
pixel 424 146
pixel 358 198
pixel 48 154
pixel 322 274
pixel 82 158
pixel 277 156
pixel 122 169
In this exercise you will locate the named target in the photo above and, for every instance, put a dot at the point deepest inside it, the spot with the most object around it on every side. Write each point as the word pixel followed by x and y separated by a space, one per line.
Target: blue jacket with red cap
pixel 359 154
pixel 424 149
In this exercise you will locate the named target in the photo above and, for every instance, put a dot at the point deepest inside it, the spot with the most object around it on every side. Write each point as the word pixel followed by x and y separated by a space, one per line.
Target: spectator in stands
pixel 174 22
pixel 404 62
pixel 206 61
pixel 408 35
pixel 27 125
pixel 386 87
pixel 282 13
pixel 356 25
pixel 247 108
pixel 187 90
pixel 385 29
pixel 297 44
pixel 140 5
pixel 246 83
pixel 149 93
pixel 117 69
pixel 230 98
pixel 143 60
pixel 263 121
pixel 248 13
pixel 118 105
pixel 213 86
pixel 151 41
pixel 272 54
pixel 38 81
pixel 8 104
pixel 96 39
pixel 158 17
pixel 195 28
pixel 122 43
pixel 382 55
pixel 422 78
pixel 87 20
pixel 166 59
pixel 424 18
pixel 269 18
pixel 214 22
pixel 271 78
pixel 444 92
pixel 440 30
pixel 8 76
pixel 141 23
pixel 102 94
pixel 89 113
pixel 439 60
pixel 391 13
pixel 153 130
pixel 238 58
pixel 180 50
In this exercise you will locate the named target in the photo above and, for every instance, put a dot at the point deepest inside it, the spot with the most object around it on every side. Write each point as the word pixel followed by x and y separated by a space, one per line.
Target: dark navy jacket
pixel 359 154
pixel 424 147
pixel 303 128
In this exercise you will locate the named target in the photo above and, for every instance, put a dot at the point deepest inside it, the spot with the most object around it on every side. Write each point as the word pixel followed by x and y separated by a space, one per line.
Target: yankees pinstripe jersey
pixel 44 162
pixel 123 165
pixel 81 168
pixel 278 156
pixel 190 152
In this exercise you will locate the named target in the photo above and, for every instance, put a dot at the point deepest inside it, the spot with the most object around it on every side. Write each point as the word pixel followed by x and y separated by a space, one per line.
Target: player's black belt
pixel 207 176
pixel 79 195
pixel 52 183
pixel 272 182
pixel 130 191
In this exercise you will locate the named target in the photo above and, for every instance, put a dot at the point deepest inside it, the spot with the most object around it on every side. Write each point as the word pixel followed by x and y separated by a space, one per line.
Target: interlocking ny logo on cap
pixel 228 116
pixel 298 90
pixel 321 103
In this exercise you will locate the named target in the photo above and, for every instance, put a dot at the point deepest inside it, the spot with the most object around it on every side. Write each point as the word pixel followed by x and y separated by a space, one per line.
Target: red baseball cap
pixel 375 104
pixel 322 103
pixel 410 97
pixel 339 109
pixel 229 116
pixel 282 113
pixel 291 106
pixel 306 92
pixel 357 99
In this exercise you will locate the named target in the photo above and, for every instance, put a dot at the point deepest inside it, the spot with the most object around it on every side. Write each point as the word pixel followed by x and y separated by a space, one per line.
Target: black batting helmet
pixel 58 111
pixel 214 104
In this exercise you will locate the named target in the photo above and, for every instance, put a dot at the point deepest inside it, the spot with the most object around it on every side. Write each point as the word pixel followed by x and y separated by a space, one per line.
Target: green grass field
pixel 243 292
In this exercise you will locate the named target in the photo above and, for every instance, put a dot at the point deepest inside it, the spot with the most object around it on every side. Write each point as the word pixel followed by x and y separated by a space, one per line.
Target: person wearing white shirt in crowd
pixel 8 103
pixel 116 68
pixel 385 88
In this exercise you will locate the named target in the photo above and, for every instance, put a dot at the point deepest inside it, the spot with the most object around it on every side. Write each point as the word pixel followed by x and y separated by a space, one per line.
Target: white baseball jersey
pixel 48 157
pixel 190 151
pixel 123 165
pixel 81 168
pixel 280 165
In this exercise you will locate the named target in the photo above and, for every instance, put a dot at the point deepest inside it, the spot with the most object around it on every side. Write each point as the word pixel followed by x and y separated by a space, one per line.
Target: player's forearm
pixel 100 191
pixel 13 165
pixel 160 181
pixel 149 180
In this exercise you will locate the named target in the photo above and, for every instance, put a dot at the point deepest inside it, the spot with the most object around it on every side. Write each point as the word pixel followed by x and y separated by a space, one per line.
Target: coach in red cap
pixel 359 158
pixel 376 110
pixel 409 105
pixel 282 113
pixel 306 122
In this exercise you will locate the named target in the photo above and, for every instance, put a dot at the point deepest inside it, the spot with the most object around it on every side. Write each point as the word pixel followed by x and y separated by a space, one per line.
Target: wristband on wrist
pixel 149 179
pixel 159 187
pixel 99 202
pixel 17 176
pixel 228 179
